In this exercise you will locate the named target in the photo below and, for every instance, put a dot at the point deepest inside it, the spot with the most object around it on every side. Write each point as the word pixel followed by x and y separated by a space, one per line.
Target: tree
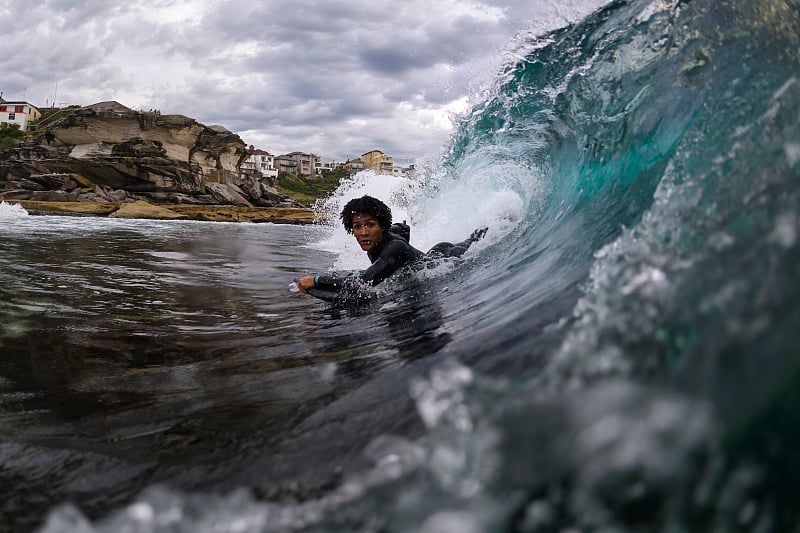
pixel 9 135
pixel 337 174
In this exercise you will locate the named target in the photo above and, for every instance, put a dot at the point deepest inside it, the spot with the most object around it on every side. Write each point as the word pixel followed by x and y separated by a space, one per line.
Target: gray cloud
pixel 336 77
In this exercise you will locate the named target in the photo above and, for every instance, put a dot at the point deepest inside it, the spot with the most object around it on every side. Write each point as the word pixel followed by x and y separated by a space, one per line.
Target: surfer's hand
pixel 477 234
pixel 305 283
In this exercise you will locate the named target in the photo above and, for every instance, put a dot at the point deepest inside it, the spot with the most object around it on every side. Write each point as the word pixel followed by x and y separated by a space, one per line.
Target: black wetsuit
pixel 387 257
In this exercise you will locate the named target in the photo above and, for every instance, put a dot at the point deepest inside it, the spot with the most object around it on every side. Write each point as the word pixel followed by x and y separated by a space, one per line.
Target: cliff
pixel 109 153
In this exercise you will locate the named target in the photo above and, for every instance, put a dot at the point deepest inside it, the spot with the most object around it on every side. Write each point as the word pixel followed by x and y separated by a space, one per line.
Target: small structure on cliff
pixel 111 106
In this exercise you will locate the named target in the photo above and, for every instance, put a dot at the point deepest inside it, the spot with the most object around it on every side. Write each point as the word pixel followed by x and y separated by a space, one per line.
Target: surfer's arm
pixel 393 257
pixel 323 282
pixel 381 269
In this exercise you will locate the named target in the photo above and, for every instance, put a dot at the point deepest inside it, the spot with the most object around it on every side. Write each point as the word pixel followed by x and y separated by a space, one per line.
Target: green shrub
pixel 308 190
pixel 9 135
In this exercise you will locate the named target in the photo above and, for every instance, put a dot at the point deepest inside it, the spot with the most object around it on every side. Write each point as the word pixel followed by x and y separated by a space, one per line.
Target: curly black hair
pixel 369 205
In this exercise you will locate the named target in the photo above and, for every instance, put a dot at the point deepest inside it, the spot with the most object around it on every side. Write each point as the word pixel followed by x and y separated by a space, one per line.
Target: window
pixel 19 109
pixel 3 108
pixel 12 116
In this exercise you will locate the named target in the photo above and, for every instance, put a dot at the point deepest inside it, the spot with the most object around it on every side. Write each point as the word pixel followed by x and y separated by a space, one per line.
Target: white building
pixel 408 172
pixel 19 113
pixel 260 161
pixel 319 166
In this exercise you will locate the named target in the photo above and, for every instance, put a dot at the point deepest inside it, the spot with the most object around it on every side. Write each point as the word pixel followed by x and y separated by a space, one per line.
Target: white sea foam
pixel 437 210
pixel 396 192
pixel 12 210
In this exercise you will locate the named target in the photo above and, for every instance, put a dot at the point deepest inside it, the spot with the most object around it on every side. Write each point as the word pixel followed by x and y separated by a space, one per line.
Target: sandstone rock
pixel 231 213
pixel 55 180
pixel 89 197
pixel 117 196
pixel 227 194
pixel 68 208
pixel 29 185
pixel 16 194
pixel 107 152
pixel 54 196
pixel 142 209
pixel 99 132
pixel 160 197
pixel 221 213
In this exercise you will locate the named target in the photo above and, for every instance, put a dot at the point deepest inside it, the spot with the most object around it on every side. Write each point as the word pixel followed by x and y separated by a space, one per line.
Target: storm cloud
pixel 337 78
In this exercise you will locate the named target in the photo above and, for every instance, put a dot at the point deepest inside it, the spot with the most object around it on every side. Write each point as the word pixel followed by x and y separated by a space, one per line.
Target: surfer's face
pixel 367 230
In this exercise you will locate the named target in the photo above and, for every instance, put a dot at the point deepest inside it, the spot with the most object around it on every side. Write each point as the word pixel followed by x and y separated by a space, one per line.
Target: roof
pixel 292 154
pixel 7 102
pixel 258 151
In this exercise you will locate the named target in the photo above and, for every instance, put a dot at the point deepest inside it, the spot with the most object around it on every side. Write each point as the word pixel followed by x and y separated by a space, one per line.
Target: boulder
pixel 16 194
pixel 54 196
pixel 68 208
pixel 142 209
pixel 227 194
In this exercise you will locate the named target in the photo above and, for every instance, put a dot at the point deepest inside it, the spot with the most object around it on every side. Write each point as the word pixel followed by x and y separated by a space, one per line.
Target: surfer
pixel 369 220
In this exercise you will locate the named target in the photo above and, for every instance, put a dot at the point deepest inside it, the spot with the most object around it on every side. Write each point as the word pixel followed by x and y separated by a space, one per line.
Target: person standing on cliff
pixel 369 220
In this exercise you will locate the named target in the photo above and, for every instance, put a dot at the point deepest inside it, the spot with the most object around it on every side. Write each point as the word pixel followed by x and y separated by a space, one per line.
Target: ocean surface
pixel 620 353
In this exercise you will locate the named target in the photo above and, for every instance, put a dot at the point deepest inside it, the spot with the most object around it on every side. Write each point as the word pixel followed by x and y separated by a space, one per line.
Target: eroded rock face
pixel 107 152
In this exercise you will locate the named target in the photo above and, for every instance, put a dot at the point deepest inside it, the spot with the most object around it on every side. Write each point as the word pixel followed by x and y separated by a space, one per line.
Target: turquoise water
pixel 619 354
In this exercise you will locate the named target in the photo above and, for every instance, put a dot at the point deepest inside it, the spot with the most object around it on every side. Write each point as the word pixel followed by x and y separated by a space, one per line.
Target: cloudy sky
pixel 334 77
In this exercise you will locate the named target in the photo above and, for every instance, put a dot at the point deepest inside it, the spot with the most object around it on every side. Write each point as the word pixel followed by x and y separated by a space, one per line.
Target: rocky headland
pixel 108 160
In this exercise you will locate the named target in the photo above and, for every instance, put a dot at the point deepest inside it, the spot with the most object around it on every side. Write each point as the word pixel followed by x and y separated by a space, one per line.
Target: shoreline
pixel 145 210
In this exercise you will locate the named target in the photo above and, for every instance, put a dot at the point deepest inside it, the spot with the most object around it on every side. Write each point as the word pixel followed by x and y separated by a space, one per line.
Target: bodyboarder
pixel 369 220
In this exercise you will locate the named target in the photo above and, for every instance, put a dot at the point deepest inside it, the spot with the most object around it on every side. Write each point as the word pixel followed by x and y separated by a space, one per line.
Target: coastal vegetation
pixel 9 135
pixel 308 190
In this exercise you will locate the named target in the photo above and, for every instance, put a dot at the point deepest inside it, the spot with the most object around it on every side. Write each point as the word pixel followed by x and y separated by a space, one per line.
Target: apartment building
pixel 378 162
pixel 405 172
pixel 354 166
pixel 298 163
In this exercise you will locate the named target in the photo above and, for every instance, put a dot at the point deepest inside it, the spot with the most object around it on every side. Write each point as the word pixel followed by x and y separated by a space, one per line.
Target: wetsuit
pixel 390 255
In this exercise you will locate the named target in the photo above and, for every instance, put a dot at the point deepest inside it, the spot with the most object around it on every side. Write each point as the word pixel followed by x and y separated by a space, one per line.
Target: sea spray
pixel 9 211
pixel 451 219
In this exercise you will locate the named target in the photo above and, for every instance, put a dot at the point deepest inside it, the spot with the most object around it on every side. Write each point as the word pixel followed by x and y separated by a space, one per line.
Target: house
pixel 19 113
pixel 405 172
pixel 378 162
pixel 261 163
pixel 354 166
pixel 329 166
pixel 297 163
